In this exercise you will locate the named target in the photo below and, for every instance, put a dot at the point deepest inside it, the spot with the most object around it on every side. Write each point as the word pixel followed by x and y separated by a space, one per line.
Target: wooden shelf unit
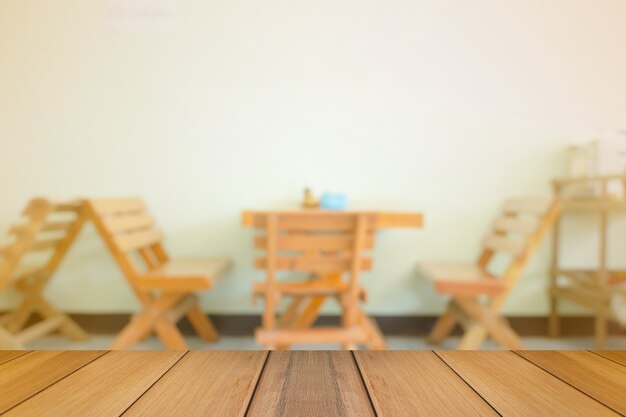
pixel 591 287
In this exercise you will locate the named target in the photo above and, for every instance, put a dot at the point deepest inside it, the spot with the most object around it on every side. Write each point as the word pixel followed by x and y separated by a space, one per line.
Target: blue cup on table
pixel 334 201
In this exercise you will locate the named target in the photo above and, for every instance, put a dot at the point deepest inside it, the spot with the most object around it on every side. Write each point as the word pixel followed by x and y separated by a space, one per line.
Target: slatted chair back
pixel 48 230
pixel 317 242
pixel 518 232
pixel 29 262
pixel 128 229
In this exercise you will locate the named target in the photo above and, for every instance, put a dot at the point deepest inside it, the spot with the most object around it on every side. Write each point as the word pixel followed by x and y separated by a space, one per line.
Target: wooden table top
pixel 386 219
pixel 312 383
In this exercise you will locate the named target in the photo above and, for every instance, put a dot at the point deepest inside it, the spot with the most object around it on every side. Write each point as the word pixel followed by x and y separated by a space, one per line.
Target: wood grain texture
pixel 27 375
pixel 515 387
pixel 305 383
pixel 105 387
pixel 216 384
pixel 592 374
pixel 8 355
pixel 418 383
pixel 618 356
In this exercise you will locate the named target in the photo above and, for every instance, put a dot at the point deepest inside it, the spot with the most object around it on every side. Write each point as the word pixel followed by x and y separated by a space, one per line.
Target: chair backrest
pixel 519 231
pixel 128 229
pixel 316 241
pixel 49 229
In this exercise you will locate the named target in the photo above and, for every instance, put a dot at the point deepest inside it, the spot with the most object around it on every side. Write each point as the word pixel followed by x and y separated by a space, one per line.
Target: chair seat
pixel 462 279
pixel 184 274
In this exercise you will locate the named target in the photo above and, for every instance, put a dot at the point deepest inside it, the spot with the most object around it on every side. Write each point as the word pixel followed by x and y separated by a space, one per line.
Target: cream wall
pixel 440 106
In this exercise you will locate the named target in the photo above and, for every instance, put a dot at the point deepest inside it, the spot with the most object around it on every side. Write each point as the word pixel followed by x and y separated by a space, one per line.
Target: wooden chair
pixel 165 288
pixel 326 245
pixel 518 232
pixel 29 262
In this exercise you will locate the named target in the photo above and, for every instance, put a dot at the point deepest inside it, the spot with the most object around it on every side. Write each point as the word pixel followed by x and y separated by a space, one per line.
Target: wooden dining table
pixel 312 383
pixel 303 311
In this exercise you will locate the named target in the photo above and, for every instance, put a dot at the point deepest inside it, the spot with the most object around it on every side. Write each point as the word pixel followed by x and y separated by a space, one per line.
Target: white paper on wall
pixel 149 15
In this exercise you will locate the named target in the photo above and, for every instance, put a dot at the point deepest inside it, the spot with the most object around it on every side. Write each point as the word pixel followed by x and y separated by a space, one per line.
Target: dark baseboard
pixel 244 324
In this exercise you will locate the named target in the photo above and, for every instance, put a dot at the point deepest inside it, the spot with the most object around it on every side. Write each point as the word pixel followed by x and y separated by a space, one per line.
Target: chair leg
pixel 7 340
pixel 6 319
pixel 69 328
pixel 443 327
pixel 487 323
pixel 601 330
pixel 376 341
pixel 20 315
pixel 554 322
pixel 170 335
pixel 140 325
pixel 202 324
pixel 473 337
pixel 288 318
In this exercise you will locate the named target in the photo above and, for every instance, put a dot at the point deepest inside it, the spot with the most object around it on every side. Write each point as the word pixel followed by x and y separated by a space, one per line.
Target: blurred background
pixel 207 108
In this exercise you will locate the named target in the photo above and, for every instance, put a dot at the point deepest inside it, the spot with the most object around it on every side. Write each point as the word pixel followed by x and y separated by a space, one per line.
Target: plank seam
pixel 604 357
pixel 467 383
pixel 55 382
pixel 566 382
pixel 257 383
pixel 154 383
pixel 366 384
pixel 26 352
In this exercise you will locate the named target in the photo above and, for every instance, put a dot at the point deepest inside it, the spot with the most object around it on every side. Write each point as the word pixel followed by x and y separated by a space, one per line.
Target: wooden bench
pixel 165 288
pixel 517 233
pixel 29 262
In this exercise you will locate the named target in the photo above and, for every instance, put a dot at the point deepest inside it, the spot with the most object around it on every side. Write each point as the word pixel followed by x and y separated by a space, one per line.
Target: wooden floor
pixel 312 383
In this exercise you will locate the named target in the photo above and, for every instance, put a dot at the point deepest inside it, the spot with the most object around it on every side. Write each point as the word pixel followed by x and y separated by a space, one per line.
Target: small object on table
pixel 334 201
pixel 309 200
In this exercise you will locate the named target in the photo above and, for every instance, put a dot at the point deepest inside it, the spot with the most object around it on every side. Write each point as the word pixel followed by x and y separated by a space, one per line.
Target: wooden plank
pixel 305 383
pixel 104 387
pixel 317 243
pixel 9 355
pixel 42 204
pixel 399 220
pixel 312 287
pixel 536 205
pixel 136 240
pixel 594 375
pixel 340 335
pixel 597 178
pixel 318 264
pixel 45 244
pixel 72 206
pixel 57 226
pixel 618 356
pixel 40 329
pixel 25 376
pixel 501 243
pixel 134 221
pixel 309 220
pixel 515 387
pixel 7 250
pixel 385 219
pixel 518 225
pixel 218 383
pixel 418 383
pixel 106 206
